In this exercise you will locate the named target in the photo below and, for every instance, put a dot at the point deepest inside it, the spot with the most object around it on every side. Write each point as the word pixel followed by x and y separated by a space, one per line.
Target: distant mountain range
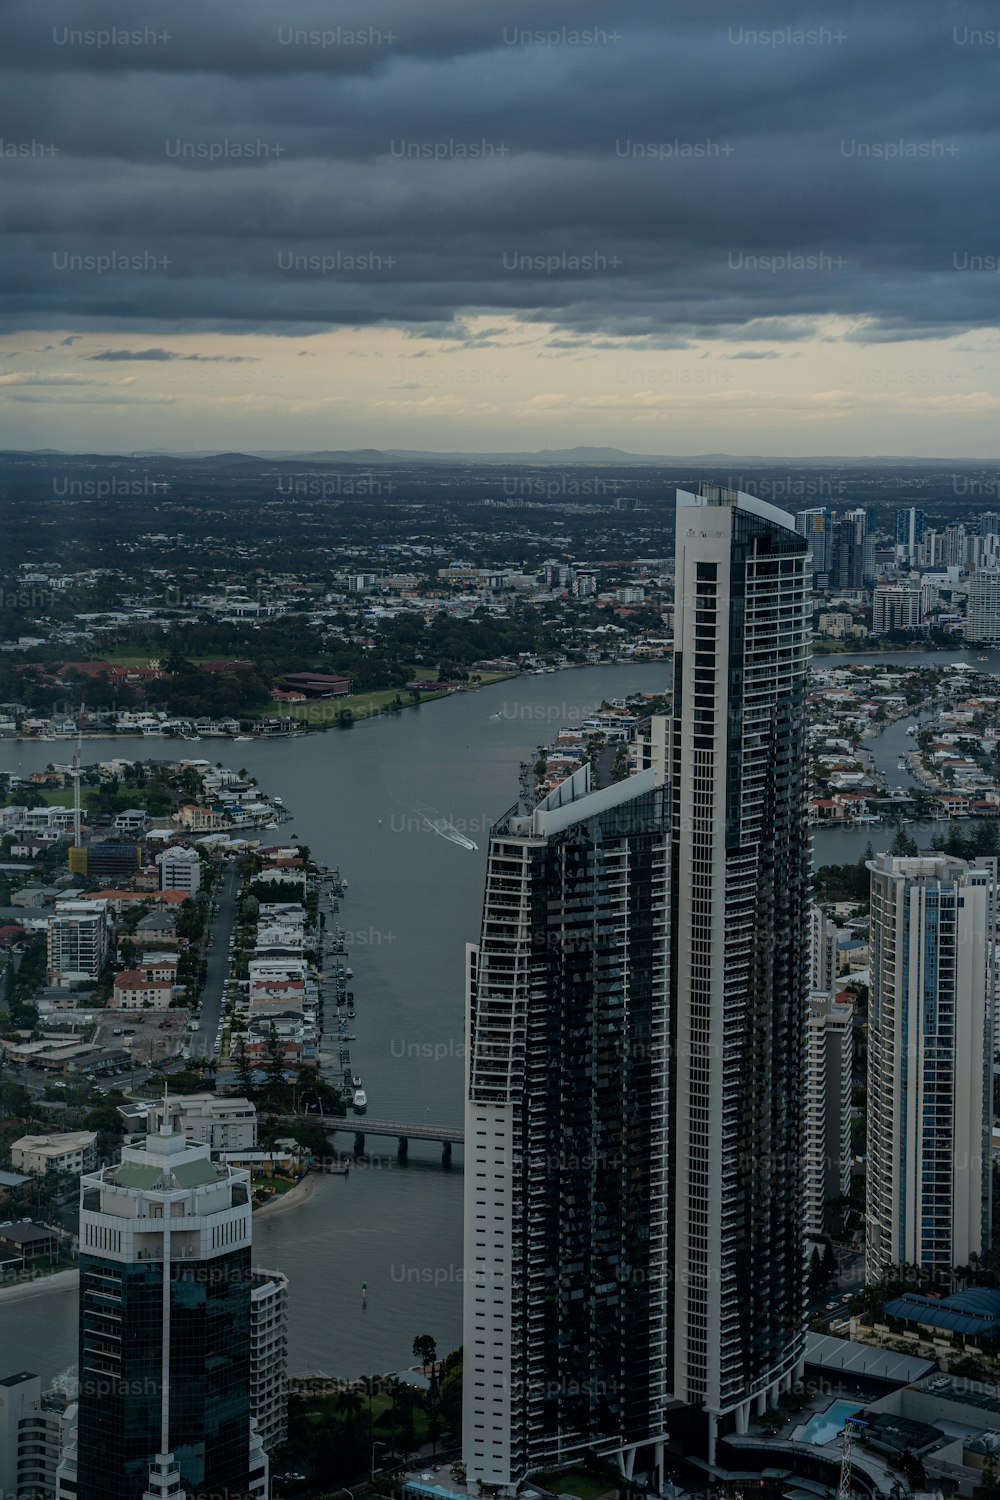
pixel 575 456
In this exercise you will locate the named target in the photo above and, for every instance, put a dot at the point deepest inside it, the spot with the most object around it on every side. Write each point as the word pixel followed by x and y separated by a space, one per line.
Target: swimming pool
pixel 826 1424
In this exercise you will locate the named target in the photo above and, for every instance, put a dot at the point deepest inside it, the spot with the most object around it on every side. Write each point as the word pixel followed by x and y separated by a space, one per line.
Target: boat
pixel 349 997
pixel 356 1080
pixel 242 739
pixel 349 1036
pixel 348 973
pixel 360 1101
pixel 351 1014
pixel 272 825
pixel 982 658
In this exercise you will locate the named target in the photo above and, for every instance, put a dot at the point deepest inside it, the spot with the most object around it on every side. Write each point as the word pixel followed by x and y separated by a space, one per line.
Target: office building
pixel 180 869
pixel 829 1059
pixel 982 622
pixel 165 1355
pixel 634 1190
pixel 896 606
pixel 269 1356
pixel 77 941
pixel 930 1064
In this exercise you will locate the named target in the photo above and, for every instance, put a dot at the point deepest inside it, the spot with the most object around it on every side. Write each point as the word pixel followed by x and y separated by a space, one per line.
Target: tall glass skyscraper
pixel 635 1025
pixel 930 1061
pixel 164 1367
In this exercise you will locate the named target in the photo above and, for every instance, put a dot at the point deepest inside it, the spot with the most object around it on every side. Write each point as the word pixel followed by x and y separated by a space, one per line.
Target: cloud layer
pixel 651 171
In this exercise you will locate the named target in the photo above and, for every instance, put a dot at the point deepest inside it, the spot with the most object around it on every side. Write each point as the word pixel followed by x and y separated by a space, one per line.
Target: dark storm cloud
pixel 161 356
pixel 649 171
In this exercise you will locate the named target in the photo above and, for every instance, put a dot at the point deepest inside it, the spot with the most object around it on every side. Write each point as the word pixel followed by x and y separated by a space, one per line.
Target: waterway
pixel 360 798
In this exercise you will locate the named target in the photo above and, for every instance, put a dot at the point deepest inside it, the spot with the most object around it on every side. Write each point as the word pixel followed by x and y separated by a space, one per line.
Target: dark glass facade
pixel 121 1344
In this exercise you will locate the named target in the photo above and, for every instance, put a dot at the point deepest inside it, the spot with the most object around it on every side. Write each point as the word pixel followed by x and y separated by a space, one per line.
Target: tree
pixel 350 1403
pixel 275 1066
pixel 424 1349
pixel 244 1073
pixel 902 844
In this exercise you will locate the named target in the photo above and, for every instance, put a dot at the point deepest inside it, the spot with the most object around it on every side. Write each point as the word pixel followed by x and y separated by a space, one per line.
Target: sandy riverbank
pixel 59 1280
pixel 300 1193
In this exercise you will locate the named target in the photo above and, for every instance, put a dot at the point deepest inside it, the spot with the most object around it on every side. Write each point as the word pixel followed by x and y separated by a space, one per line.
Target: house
pixel 199 819
pixel 31 1241
pixel 132 820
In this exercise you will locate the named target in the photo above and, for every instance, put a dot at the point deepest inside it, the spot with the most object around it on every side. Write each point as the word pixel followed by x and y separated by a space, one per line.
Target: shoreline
pixel 25 1289
pixel 300 1193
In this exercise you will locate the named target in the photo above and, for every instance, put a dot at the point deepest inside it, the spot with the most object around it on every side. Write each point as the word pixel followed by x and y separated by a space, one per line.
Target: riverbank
pixel 300 1193
pixel 58 1281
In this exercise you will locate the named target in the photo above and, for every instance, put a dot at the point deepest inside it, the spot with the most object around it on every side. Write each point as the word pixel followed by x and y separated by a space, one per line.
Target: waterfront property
pixel 635 1248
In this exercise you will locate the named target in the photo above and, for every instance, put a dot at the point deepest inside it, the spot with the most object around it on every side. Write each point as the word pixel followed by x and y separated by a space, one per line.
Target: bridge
pixel 361 1125
pixel 448 1135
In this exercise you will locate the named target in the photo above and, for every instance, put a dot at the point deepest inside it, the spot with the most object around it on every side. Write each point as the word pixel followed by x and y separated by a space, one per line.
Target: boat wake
pixel 443 827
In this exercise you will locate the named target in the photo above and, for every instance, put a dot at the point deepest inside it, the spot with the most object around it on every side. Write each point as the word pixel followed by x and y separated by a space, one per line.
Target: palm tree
pixel 350 1403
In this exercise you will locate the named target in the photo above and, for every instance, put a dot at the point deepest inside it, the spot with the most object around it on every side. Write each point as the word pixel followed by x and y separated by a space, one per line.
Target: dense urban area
pixel 177 1000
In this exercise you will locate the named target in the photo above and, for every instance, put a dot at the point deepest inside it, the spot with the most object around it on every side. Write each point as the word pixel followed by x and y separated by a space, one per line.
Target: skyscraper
pixel 982 621
pixel 817 527
pixel 909 533
pixel 634 1210
pixel 930 1061
pixel 738 966
pixel 164 1400
pixel 566 1228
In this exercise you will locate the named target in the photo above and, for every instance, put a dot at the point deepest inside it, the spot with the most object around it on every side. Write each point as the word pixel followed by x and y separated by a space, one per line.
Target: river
pixel 360 798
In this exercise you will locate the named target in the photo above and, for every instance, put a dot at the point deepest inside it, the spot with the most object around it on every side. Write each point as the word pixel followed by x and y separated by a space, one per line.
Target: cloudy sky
pixel 675 226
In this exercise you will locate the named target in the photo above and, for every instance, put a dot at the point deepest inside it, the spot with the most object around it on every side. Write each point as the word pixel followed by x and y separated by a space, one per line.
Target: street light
pixel 372 1467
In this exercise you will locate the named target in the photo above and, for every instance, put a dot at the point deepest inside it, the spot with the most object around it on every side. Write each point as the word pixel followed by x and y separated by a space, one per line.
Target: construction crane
pixel 77 819
pixel 844 1490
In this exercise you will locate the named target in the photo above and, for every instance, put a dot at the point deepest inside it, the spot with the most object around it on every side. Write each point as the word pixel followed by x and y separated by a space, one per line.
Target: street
pixel 217 962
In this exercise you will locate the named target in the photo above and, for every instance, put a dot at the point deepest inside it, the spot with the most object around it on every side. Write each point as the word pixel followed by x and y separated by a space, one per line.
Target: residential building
pixel 930 1030
pixel 134 989
pixel 180 869
pixel 165 1295
pixel 567 984
pixel 895 606
pixel 33 1433
pixel 909 534
pixel 738 972
pixel 71 1151
pixel 829 1057
pixel 269 1356
pixel 822 950
pixel 199 819
pixel 77 941
pixel 30 1241
pixel 634 1189
pixel 816 526
pixel 224 1124
pixel 982 621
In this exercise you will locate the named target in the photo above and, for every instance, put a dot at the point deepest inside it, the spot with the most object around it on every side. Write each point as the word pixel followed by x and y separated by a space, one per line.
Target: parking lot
pixel 150 1035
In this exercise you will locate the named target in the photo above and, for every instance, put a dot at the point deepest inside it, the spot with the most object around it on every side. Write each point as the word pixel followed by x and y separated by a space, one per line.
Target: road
pixel 214 989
